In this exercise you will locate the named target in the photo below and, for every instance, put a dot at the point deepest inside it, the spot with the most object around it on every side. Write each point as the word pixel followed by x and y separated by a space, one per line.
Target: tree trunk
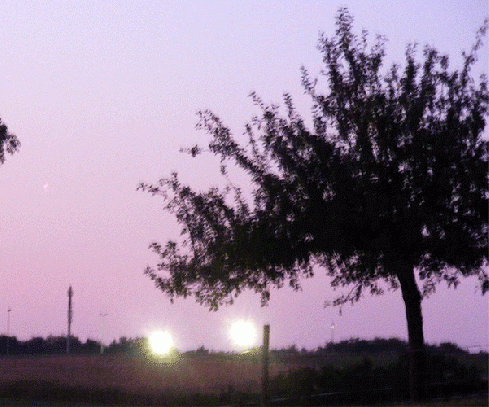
pixel 417 354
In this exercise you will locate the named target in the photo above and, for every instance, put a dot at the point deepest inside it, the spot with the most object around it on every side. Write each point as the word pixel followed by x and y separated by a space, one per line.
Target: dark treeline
pixel 375 346
pixel 52 345
pixel 134 346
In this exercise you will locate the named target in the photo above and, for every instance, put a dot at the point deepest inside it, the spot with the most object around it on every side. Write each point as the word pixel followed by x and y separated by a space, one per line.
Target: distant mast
pixel 70 319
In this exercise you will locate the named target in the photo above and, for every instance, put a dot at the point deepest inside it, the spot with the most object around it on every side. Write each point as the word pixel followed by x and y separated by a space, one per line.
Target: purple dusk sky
pixel 103 94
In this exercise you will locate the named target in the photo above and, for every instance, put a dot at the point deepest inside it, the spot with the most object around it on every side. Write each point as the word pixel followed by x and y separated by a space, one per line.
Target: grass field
pixel 451 403
pixel 139 381
pixel 478 402
pixel 113 378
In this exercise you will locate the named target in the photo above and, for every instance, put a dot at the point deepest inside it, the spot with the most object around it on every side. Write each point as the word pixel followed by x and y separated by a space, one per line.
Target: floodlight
pixel 243 333
pixel 160 342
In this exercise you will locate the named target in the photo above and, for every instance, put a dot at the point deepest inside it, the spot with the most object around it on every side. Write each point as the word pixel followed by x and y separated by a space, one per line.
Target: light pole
pixel 70 319
pixel 102 315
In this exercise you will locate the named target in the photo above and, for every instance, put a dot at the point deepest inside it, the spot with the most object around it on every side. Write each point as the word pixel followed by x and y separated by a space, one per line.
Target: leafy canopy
pixel 392 172
pixel 8 142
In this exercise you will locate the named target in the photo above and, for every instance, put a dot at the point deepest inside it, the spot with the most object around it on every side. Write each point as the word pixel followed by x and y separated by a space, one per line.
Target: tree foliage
pixel 390 180
pixel 8 142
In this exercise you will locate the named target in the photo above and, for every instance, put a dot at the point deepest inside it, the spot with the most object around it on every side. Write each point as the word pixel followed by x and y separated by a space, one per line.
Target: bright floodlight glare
pixel 243 333
pixel 160 342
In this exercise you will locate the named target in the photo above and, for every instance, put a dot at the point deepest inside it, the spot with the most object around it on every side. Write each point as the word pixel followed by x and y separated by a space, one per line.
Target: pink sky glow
pixel 103 94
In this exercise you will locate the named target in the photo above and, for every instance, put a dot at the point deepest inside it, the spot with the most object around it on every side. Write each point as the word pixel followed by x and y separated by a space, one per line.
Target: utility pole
pixel 70 319
pixel 102 333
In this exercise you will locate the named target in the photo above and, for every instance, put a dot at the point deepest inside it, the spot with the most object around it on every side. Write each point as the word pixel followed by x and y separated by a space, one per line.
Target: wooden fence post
pixel 265 378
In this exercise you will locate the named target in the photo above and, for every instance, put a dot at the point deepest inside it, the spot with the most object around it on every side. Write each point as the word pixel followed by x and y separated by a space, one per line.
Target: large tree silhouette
pixel 388 189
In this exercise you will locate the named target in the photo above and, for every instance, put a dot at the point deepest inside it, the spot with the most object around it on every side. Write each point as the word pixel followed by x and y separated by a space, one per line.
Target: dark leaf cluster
pixel 9 143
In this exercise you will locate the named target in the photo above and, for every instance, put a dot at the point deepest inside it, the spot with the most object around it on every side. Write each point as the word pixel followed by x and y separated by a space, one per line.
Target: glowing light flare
pixel 160 342
pixel 243 333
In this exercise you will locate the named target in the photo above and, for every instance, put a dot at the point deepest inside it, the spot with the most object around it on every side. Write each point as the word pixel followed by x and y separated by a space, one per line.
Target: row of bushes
pixel 366 382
